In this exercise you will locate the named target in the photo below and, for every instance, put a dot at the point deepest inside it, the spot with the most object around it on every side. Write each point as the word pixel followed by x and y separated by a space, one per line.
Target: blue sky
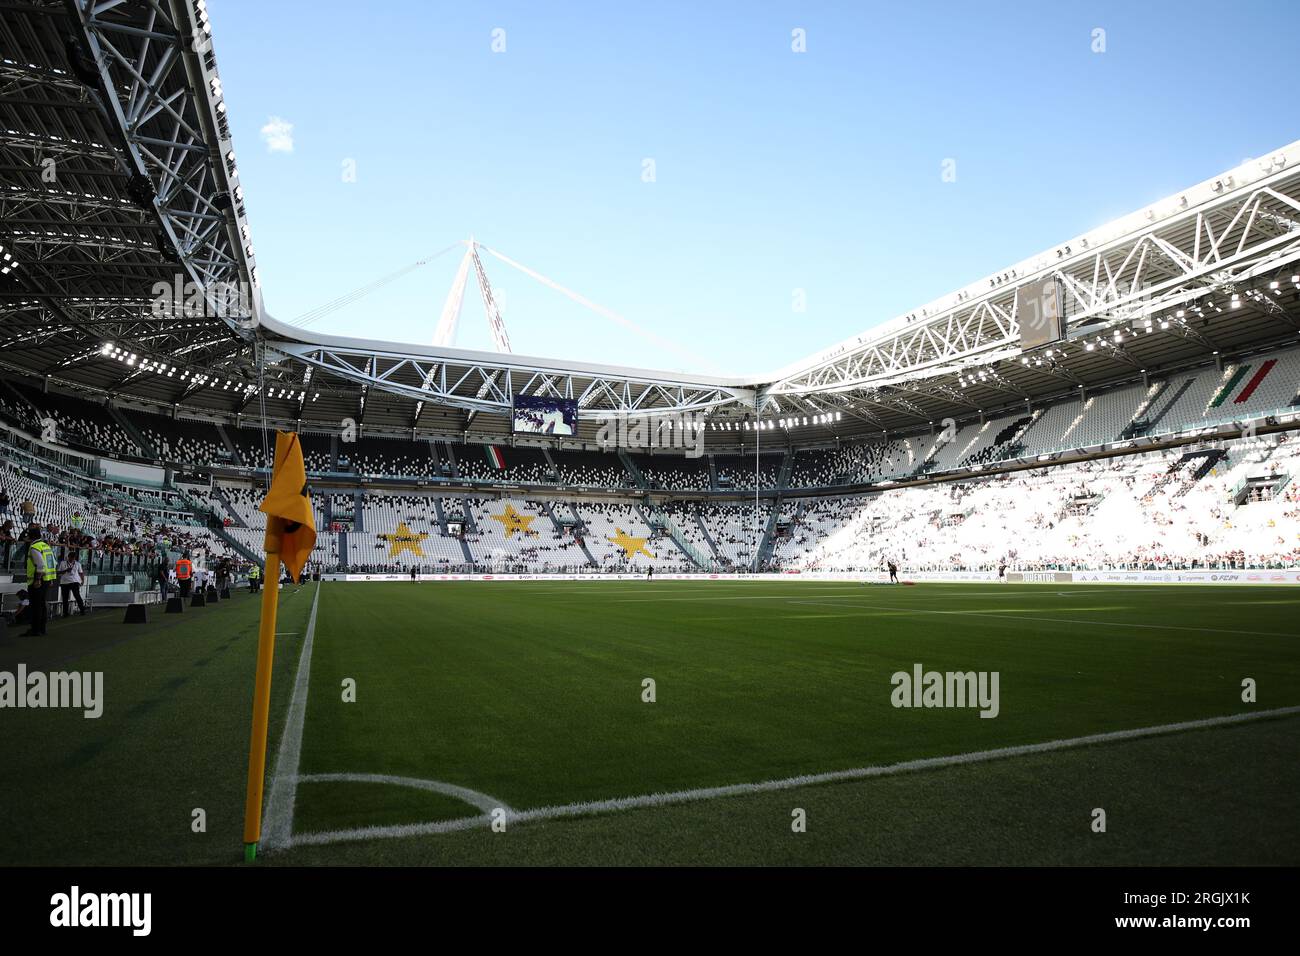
pixel 774 171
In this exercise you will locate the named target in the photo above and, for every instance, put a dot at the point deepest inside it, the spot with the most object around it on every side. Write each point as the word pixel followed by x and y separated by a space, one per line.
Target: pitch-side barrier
pixel 1289 576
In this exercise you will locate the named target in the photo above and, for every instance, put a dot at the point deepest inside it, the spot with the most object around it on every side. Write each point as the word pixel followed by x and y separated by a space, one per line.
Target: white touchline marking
pixel 278 831
pixel 712 597
pixel 584 808
pixel 896 608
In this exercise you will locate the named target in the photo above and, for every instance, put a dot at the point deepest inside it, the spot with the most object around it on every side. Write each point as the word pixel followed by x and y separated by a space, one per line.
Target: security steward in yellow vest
pixel 254 579
pixel 184 575
pixel 42 569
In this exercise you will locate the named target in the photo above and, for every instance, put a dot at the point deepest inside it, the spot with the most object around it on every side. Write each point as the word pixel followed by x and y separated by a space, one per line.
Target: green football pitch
pixel 675 722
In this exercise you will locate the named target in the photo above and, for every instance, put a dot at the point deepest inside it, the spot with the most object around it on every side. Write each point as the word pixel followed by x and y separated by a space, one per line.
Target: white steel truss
pixel 489 382
pixel 158 81
pixel 1222 232
pixel 125 96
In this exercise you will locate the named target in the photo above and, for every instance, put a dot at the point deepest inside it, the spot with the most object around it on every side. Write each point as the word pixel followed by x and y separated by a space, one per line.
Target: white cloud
pixel 278 135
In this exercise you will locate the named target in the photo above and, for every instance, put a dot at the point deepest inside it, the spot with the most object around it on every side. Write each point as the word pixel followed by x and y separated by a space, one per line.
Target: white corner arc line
pixel 327 837
pixel 277 833
pixel 481 801
pixel 585 808
pixel 472 797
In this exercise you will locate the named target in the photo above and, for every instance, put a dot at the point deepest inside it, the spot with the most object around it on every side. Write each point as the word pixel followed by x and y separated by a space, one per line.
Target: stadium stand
pixel 79 424
pixel 1226 505
pixel 248 524
pixel 112 526
pixel 182 441
pixel 1175 509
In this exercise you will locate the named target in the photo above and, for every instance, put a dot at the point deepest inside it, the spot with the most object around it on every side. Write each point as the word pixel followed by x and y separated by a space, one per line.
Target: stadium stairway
pixel 713 474
pixel 1154 419
pixel 713 546
pixel 237 546
pixel 765 546
pixel 632 469
pixel 327 511
pixel 582 537
pixel 128 426
pixel 451 459
pixel 1209 459
pixel 230 445
pixel 550 513
pixel 21 399
pixel 220 495
pixel 555 472
pixel 442 517
pixel 656 516
pixel 467 517
pixel 1139 424
pixel 359 511
pixel 1169 475
pixel 787 468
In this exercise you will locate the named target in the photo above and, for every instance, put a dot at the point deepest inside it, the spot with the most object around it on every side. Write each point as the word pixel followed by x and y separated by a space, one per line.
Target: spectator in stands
pixel 4 501
pixel 29 511
pixel 70 581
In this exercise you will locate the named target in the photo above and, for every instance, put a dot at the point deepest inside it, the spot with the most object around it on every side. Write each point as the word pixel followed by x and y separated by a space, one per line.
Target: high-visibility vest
pixel 255 572
pixel 184 569
pixel 45 555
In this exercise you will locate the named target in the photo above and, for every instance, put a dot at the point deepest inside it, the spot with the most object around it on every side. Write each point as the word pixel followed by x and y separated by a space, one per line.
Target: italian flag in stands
pixel 494 457
pixel 1235 380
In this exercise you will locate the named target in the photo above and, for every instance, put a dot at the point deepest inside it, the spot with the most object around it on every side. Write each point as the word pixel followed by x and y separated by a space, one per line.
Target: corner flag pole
pixel 262 689
pixel 290 537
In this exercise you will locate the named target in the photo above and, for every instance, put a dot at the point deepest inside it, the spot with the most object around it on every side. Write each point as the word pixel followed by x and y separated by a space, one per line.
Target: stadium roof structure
pixel 129 274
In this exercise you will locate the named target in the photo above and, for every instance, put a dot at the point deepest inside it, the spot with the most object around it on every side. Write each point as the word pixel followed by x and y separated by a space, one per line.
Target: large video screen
pixel 545 416
pixel 1041 313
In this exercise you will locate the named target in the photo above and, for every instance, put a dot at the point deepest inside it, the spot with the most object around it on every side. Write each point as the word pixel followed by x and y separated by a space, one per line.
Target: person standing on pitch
pixel 254 578
pixel 41 573
pixel 893 573
pixel 70 581
pixel 185 574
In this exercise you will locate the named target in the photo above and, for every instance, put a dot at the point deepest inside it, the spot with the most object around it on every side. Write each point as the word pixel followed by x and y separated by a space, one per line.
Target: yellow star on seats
pixel 629 544
pixel 512 521
pixel 404 539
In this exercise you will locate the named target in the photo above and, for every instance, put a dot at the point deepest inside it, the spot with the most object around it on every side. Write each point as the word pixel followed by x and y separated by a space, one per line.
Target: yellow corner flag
pixel 288 501
pixel 290 536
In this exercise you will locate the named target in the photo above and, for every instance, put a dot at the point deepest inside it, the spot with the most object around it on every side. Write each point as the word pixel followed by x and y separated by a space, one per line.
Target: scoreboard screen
pixel 545 416
pixel 1040 310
